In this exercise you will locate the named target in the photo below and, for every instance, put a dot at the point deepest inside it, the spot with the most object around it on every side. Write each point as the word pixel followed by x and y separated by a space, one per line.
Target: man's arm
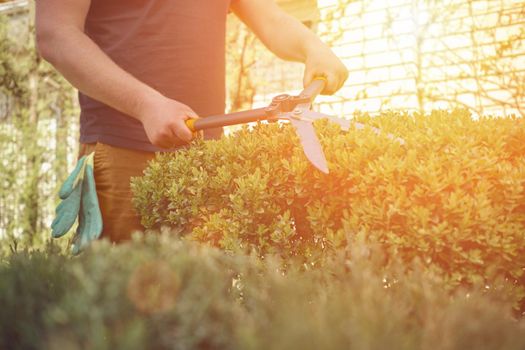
pixel 291 40
pixel 61 41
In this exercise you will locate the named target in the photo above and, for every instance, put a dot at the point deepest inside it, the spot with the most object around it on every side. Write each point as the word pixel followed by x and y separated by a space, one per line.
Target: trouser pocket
pixel 113 168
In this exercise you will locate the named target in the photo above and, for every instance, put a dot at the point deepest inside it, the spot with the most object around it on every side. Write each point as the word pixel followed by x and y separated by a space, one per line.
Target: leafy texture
pixel 157 292
pixel 452 196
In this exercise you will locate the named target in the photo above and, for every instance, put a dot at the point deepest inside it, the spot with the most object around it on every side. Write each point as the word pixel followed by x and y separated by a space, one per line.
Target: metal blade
pixel 311 145
pixel 345 124
pixel 311 115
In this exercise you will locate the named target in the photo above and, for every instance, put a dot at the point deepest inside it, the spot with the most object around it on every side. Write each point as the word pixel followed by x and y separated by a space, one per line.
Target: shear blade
pixel 311 115
pixel 345 124
pixel 311 145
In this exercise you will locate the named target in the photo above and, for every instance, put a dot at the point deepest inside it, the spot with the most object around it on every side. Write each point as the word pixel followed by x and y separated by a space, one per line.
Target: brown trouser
pixel 113 168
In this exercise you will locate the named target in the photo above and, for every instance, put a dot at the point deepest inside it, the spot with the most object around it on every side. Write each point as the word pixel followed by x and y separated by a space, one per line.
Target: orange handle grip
pixel 190 123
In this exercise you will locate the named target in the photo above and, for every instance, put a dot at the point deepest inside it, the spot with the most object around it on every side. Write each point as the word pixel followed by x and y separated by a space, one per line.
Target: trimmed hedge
pixel 452 196
pixel 160 293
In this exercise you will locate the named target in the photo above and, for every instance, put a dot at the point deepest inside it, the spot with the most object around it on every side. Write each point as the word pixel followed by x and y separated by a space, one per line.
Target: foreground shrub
pixel 452 196
pixel 161 293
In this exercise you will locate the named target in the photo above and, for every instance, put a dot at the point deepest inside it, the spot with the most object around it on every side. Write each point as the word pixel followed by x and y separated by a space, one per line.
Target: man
pixel 143 67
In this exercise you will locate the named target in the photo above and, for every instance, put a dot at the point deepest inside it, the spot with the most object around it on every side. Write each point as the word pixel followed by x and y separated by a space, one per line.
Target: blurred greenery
pixel 36 135
pixel 158 292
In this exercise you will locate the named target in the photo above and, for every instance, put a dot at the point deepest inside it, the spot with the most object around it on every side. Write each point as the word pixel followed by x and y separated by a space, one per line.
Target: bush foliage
pixel 157 292
pixel 452 196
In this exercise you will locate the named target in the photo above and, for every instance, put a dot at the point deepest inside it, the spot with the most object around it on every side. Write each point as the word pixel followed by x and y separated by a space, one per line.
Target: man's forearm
pixel 281 33
pixel 291 40
pixel 61 40
pixel 91 71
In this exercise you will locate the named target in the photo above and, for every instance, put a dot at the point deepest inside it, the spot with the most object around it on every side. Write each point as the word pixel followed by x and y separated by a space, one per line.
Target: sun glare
pixel 414 55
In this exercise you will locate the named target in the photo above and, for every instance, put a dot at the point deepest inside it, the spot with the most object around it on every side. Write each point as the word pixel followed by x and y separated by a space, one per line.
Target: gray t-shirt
pixel 174 46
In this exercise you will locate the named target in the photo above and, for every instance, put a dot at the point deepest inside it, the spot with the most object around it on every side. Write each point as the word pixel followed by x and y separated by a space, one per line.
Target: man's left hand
pixel 321 61
pixel 289 39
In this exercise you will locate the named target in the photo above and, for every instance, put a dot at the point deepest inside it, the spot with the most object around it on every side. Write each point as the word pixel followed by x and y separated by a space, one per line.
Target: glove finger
pixel 90 206
pixel 81 239
pixel 72 179
pixel 90 218
pixel 66 213
pixel 76 247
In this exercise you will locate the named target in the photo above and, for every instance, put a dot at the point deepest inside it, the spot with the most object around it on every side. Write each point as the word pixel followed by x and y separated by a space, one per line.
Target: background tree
pixel 36 135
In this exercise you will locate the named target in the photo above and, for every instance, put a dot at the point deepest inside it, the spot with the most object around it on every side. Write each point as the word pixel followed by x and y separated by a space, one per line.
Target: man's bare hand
pixel 289 39
pixel 164 122
pixel 63 42
pixel 321 61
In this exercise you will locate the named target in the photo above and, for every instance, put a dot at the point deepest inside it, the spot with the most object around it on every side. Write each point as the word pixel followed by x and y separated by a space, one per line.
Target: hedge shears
pixel 295 109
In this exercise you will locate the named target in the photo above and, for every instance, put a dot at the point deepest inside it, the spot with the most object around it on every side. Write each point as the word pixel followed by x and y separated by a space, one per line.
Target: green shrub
pixel 29 283
pixel 160 293
pixel 452 196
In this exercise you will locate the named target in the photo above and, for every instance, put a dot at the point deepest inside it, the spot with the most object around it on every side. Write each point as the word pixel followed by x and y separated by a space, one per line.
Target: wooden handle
pixel 311 91
pixel 216 121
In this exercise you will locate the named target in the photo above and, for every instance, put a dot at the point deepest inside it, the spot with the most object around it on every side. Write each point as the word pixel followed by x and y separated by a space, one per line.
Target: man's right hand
pixel 164 122
pixel 62 41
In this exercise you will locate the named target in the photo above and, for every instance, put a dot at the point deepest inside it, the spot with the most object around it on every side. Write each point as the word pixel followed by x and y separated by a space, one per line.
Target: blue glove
pixel 79 198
